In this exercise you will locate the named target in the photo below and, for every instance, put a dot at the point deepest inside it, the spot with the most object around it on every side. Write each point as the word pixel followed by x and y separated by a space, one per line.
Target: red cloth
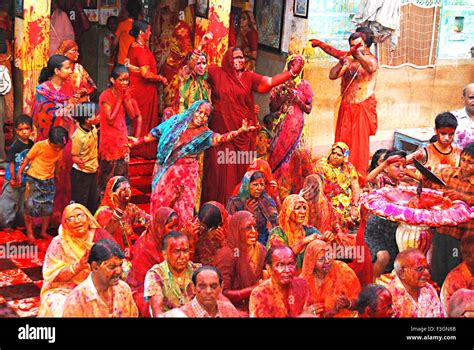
pixel 364 270
pixel 148 253
pixel 233 101
pixel 113 138
pixel 356 122
pixel 146 94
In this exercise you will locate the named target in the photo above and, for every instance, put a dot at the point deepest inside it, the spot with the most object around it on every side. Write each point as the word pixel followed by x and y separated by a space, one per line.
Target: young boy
pixel 11 201
pixel 447 240
pixel 40 182
pixel 85 158
pixel 441 153
pixel 379 232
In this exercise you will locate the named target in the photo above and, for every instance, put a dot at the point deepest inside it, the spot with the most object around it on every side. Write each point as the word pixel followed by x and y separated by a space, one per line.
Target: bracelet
pixel 291 72
pixel 72 270
pixel 119 211
pixel 117 215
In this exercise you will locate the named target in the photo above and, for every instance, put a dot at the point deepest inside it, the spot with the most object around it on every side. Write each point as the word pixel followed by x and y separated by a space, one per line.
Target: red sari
pixel 146 94
pixel 148 253
pixel 233 101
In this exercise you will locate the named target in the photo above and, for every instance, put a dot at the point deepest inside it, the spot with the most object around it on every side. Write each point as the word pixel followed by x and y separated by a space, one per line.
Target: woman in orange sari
pixel 333 285
pixel 143 80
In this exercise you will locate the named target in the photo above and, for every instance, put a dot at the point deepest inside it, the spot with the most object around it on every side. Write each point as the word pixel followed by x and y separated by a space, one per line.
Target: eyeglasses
pixel 79 217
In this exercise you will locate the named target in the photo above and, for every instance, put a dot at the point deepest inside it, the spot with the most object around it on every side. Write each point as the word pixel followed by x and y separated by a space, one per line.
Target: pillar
pixel 31 47
pixel 218 24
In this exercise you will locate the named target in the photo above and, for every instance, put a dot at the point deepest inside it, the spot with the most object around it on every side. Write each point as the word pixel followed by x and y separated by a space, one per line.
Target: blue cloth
pixel 169 133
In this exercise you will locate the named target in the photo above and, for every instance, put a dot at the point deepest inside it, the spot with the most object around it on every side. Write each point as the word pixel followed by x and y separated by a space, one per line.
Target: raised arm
pixel 339 69
pixel 268 82
pixel 328 49
pixel 218 138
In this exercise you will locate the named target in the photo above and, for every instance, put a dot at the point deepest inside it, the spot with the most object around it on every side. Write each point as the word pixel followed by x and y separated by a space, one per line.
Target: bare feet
pixel 30 237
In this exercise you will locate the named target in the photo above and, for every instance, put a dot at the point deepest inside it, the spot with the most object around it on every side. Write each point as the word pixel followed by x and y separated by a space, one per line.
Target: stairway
pixel 141 173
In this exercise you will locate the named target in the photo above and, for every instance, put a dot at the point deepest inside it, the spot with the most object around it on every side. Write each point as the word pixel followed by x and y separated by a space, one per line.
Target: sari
pixel 192 88
pixel 321 212
pixel 47 112
pixel 148 252
pixel 248 40
pixel 266 215
pixel 145 93
pixel 233 101
pixel 243 270
pixel 176 162
pixel 133 217
pixel 283 234
pixel 79 79
pixel 290 118
pixel 207 244
pixel 339 280
pixel 65 250
pixel 338 180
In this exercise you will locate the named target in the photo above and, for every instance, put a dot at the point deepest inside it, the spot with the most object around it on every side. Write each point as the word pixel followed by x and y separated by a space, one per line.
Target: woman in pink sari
pixel 53 108
pixel 149 252
pixel 290 102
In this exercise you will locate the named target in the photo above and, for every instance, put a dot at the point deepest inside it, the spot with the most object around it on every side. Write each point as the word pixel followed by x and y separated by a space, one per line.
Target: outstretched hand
pixel 315 42
pixel 246 127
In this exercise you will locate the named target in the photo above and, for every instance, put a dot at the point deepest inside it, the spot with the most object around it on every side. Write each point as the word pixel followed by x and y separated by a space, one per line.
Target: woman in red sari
pixel 143 80
pixel 247 39
pixel 53 108
pixel 241 260
pixel 149 252
pixel 232 95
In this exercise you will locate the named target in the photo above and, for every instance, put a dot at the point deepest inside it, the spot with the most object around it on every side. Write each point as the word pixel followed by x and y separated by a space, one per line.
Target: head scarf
pixel 170 132
pixel 337 176
pixel 107 201
pixel 65 46
pixel 343 147
pixel 321 212
pixel 261 166
pixel 207 244
pixel 287 209
pixel 309 262
pixel 148 249
pixel 244 192
pixel 228 65
pixel 72 249
pixel 296 80
pixel 236 241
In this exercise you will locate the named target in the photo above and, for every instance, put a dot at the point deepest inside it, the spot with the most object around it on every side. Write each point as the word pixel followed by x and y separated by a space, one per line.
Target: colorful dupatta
pixel 338 180
pixel 169 134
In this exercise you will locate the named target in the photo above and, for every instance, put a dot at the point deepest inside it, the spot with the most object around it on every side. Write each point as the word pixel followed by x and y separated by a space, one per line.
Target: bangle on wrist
pixel 291 72
pixel 72 269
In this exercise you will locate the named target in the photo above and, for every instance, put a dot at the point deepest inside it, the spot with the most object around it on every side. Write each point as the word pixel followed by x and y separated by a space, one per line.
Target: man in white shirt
pixel 465 116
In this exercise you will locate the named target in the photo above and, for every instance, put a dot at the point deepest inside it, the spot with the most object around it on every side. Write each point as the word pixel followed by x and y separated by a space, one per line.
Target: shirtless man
pixel 357 114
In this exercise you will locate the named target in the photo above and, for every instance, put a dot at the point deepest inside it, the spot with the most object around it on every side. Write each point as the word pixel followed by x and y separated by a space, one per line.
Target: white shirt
pixel 465 130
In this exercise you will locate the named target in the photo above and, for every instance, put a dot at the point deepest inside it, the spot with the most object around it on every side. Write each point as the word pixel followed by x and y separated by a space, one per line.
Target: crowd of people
pixel 225 238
